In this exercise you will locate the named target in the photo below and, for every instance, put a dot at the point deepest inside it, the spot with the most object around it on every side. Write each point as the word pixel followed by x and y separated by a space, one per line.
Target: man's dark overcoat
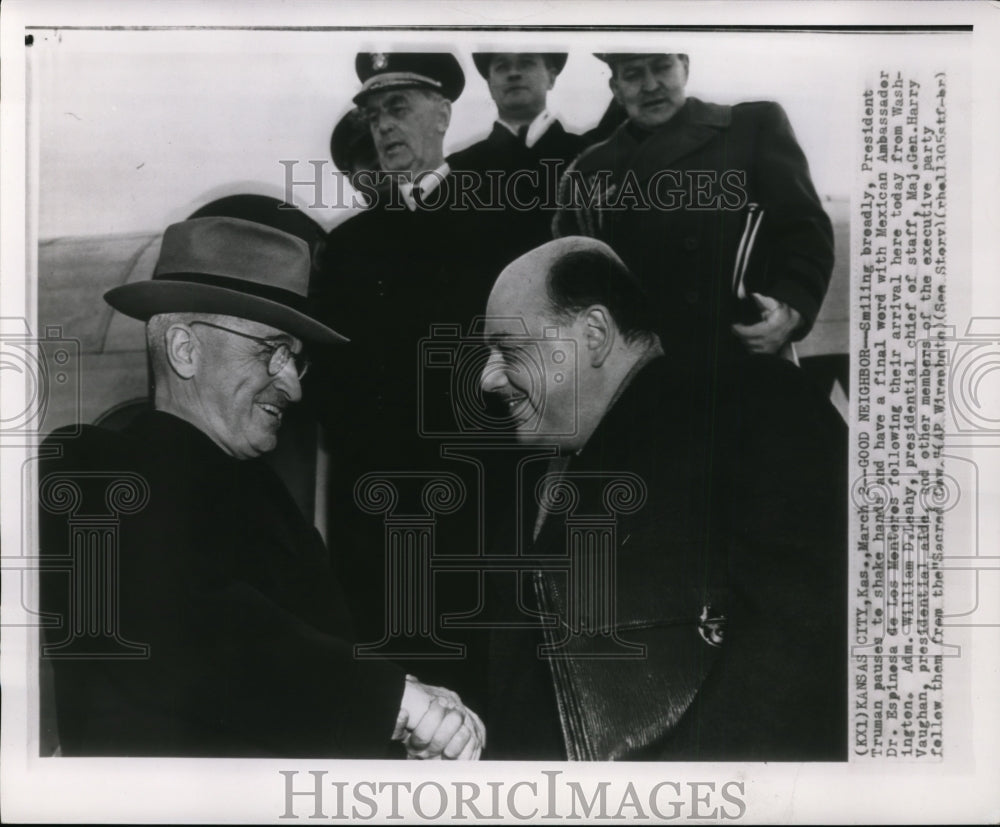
pixel 742 534
pixel 674 204
pixel 404 287
pixel 529 199
pixel 232 590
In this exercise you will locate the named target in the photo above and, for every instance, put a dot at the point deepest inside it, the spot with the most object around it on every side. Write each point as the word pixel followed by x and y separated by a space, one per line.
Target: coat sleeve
pixel 788 562
pixel 276 661
pixel 573 215
pixel 798 234
pixel 242 659
pixel 277 680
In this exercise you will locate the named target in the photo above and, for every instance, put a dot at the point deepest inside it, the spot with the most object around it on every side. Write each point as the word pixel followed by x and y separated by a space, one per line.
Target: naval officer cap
pixel 381 71
pixel 557 60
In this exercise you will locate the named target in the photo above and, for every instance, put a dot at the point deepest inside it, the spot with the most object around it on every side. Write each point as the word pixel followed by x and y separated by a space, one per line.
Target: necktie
pixel 522 134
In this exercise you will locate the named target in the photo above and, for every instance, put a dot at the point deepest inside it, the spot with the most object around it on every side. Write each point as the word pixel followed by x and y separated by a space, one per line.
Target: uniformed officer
pixel 522 159
pixel 418 259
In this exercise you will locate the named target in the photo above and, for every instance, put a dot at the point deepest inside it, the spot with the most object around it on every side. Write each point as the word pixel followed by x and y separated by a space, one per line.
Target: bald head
pixel 565 324
pixel 564 277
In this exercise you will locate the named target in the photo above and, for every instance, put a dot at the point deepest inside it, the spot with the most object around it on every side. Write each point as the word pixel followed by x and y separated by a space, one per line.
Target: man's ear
pixel 183 350
pixel 600 334
pixel 614 88
pixel 445 118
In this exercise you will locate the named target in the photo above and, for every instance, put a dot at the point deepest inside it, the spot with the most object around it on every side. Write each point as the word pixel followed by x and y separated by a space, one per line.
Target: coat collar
pixel 176 436
pixel 503 136
pixel 616 423
pixel 692 127
pixel 536 129
pixel 616 428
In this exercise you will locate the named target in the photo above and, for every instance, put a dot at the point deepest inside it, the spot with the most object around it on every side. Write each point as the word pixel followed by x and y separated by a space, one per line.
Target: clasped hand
pixel 433 723
pixel 778 323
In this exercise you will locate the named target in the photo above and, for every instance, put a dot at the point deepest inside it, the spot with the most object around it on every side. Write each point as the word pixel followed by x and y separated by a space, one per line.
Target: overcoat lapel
pixel 694 126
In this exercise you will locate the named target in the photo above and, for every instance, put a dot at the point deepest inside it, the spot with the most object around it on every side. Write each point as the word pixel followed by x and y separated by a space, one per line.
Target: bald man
pixel 721 633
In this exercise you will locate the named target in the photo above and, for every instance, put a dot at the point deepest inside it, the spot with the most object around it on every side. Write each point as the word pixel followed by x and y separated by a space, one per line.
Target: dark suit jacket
pixel 744 518
pixel 703 167
pixel 386 277
pixel 250 642
pixel 398 391
pixel 537 169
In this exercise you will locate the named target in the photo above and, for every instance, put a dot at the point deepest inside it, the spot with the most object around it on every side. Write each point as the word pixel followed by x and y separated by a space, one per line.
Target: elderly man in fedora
pixel 220 584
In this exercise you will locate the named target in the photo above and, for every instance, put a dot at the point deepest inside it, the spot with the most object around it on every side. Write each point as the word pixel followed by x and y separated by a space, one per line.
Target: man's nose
pixel 288 381
pixel 649 82
pixel 494 376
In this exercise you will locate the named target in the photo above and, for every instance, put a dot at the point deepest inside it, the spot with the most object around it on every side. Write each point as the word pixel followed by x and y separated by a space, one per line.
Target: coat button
pixel 690 243
pixel 691 297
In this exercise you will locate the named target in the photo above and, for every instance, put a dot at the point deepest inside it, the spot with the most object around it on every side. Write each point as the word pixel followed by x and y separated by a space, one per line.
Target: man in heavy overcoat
pixel 711 207
pixel 198 611
pixel 682 585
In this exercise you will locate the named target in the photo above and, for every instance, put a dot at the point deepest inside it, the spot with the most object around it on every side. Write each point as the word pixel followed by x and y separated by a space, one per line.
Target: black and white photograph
pixel 499 412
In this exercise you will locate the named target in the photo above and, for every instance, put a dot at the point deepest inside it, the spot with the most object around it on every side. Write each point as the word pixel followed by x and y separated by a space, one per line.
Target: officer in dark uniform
pixel 528 148
pixel 417 258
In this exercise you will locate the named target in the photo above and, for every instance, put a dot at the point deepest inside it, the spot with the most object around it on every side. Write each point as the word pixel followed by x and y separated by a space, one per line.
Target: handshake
pixel 434 723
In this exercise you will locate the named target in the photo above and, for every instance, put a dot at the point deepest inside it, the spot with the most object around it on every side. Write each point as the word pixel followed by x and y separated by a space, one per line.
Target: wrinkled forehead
pixel 528 324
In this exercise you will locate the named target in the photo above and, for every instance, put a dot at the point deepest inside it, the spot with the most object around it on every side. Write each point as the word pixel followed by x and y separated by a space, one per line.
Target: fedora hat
pixel 232 267
pixel 557 60
pixel 612 58
pixel 380 71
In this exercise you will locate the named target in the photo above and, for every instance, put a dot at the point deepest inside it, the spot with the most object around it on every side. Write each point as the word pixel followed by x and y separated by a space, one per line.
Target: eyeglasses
pixel 280 352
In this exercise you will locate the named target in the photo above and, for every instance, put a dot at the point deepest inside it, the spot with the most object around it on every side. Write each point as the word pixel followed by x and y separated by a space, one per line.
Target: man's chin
pixel 264 442
pixel 396 162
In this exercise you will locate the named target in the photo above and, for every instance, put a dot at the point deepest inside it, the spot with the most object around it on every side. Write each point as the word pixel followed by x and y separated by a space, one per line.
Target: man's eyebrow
pixel 496 338
pixel 277 338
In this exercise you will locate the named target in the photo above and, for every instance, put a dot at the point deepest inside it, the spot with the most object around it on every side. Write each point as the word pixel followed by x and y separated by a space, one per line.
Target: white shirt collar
pixel 427 181
pixel 538 127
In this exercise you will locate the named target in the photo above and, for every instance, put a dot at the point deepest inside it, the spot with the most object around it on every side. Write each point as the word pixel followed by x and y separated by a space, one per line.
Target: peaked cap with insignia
pixel 379 71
